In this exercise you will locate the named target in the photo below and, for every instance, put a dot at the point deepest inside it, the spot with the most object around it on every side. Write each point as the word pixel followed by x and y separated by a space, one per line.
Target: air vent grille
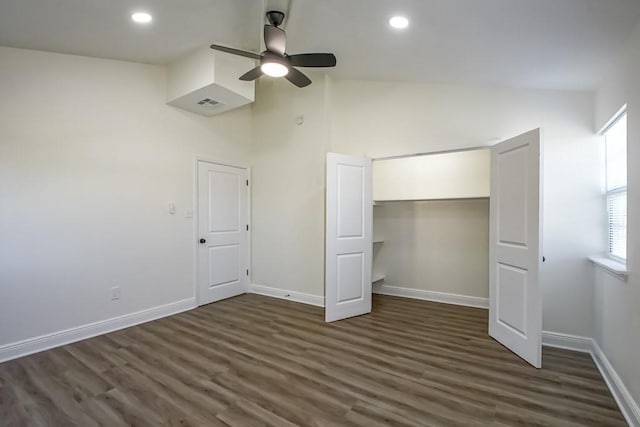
pixel 208 103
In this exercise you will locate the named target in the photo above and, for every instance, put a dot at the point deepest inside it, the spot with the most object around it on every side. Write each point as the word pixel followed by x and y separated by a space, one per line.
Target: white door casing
pixel 515 303
pixel 223 222
pixel 349 222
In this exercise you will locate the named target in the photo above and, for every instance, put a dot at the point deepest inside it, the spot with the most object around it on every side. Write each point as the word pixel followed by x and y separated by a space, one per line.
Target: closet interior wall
pixel 433 245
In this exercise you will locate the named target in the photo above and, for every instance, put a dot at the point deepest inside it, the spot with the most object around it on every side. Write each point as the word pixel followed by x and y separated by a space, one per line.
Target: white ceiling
pixel 551 44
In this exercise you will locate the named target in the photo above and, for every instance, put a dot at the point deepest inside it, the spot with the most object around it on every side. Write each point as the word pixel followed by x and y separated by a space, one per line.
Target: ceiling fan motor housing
pixel 275 17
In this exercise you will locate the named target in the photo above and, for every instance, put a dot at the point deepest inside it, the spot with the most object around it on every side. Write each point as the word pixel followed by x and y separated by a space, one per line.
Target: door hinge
pixel 247 272
pixel 247 183
pixel 247 227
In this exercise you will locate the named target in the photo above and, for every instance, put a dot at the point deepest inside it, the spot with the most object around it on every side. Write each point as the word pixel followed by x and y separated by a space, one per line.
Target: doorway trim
pixel 196 218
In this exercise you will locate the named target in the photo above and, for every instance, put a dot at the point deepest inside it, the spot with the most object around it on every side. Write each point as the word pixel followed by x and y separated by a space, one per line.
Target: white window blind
pixel 616 151
pixel 617 211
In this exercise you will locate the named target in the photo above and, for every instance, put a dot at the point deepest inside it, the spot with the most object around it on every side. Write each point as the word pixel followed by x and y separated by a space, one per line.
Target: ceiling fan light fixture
pixel 274 69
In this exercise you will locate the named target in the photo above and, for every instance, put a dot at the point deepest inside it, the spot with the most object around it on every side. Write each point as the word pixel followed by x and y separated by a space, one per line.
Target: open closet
pixel 431 226
pixel 420 243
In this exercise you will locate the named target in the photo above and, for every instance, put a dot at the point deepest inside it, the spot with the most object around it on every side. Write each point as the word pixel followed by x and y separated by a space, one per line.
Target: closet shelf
pixel 434 199
pixel 377 277
pixel 378 241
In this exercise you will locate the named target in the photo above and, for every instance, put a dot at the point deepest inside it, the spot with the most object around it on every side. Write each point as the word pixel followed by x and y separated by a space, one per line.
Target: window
pixel 616 154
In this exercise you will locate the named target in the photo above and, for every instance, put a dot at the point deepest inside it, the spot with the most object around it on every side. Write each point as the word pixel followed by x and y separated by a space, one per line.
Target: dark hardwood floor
pixel 253 360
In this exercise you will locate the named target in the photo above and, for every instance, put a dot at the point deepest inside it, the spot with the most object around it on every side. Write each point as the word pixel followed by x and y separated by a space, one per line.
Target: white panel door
pixel 223 222
pixel 349 220
pixel 515 304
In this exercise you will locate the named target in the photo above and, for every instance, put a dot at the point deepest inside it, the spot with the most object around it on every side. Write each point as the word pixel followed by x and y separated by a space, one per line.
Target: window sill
pixel 616 267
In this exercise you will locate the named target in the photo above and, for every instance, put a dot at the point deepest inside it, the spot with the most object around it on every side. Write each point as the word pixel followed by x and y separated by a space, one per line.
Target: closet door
pixel 515 306
pixel 349 221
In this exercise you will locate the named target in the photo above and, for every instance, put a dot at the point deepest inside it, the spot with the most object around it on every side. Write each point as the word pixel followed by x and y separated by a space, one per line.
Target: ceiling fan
pixel 275 61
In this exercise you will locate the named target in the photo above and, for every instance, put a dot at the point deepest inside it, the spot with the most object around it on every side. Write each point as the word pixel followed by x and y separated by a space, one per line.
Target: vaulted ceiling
pixel 547 44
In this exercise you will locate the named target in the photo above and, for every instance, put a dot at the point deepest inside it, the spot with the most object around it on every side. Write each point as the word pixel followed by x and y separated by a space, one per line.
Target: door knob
pixel 203 241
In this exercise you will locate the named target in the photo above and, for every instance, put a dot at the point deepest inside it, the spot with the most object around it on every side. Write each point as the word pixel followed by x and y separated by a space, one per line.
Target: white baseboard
pixel 317 300
pixel 442 297
pixel 57 339
pixel 628 406
pixel 567 342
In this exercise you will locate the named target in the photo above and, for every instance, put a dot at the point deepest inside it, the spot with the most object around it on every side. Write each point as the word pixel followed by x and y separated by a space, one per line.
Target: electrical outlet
pixel 115 293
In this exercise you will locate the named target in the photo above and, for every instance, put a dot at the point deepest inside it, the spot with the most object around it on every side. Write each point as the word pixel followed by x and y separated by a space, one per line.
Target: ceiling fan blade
pixel 298 78
pixel 233 51
pixel 313 60
pixel 252 75
pixel 275 39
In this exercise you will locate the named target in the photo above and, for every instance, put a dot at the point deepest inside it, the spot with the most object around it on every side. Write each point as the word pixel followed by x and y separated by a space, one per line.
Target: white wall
pixel 455 175
pixel 440 246
pixel 89 157
pixel 617 303
pixel 288 177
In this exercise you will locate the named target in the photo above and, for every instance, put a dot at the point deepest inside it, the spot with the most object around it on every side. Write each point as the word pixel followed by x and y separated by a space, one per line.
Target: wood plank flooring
pixel 253 361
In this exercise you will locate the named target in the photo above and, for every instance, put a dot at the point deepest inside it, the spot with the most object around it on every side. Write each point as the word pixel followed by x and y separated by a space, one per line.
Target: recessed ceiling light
pixel 141 17
pixel 399 22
